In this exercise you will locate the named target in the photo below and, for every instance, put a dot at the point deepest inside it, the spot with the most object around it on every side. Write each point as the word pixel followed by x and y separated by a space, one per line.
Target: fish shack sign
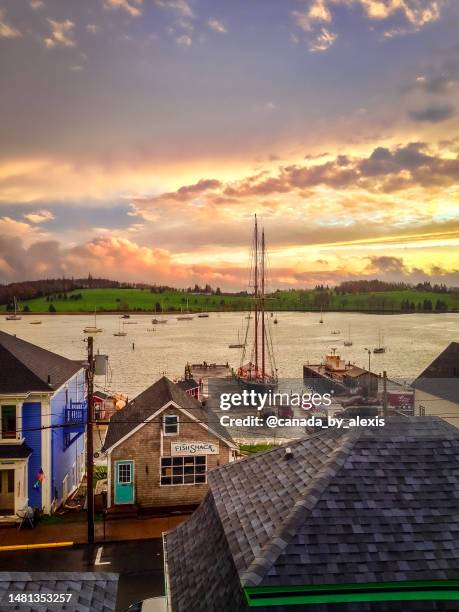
pixel 194 448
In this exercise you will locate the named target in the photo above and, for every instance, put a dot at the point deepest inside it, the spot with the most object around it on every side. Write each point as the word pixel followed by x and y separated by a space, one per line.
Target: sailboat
pixel 348 342
pixel 119 332
pixel 259 372
pixel 156 321
pixel 93 329
pixel 184 317
pixel 15 316
pixel 380 348
pixel 321 317
pixel 237 344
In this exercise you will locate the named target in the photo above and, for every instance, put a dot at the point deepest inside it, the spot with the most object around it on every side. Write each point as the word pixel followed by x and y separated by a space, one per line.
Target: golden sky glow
pixel 139 138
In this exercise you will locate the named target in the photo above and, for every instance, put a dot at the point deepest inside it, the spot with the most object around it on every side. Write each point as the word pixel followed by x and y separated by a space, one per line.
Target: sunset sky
pixel 139 137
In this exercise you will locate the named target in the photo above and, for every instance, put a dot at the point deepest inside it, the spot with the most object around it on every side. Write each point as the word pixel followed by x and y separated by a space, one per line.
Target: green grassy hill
pixel 113 300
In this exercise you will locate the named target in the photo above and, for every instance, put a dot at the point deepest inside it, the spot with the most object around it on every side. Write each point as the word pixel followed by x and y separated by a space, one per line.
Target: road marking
pixel 98 557
pixel 33 546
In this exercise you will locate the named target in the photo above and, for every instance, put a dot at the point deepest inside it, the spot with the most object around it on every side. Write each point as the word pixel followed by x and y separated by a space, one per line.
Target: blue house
pixel 42 426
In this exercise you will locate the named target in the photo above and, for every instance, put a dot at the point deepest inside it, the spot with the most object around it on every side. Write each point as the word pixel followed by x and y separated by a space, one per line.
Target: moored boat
pixel 93 329
pixel 15 316
pixel 380 348
pixel 259 372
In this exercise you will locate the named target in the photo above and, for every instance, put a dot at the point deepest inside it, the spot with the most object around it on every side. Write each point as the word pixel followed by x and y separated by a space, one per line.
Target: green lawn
pixel 173 301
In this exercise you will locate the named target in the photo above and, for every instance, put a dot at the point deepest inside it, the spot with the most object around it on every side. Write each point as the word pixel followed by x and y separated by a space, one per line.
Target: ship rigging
pixel 260 371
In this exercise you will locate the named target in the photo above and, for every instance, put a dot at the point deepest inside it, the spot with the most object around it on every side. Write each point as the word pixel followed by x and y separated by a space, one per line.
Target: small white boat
pixel 15 316
pixel 237 344
pixel 185 317
pixel 348 342
pixel 120 332
pixel 380 348
pixel 93 329
pixel 158 321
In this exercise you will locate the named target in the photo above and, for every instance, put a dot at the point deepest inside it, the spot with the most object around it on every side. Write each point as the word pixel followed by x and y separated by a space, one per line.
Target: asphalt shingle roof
pixel 91 592
pixel 350 506
pixel 26 367
pixel 441 377
pixel 152 399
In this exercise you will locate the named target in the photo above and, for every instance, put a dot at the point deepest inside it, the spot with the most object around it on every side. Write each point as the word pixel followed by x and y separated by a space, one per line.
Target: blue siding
pixel 31 419
pixel 63 460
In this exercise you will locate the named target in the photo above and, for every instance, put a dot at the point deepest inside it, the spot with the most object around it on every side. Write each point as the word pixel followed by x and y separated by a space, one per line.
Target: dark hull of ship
pixel 259 386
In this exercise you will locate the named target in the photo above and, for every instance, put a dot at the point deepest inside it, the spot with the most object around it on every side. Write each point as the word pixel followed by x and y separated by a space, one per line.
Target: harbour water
pixel 141 357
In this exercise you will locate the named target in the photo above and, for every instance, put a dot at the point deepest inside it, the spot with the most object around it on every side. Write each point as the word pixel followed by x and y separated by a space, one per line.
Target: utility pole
pixel 384 397
pixel 90 440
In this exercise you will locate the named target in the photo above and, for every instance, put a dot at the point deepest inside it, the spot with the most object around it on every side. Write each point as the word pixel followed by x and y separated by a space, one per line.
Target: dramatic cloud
pixel 39 216
pixel 414 15
pixel 6 29
pixel 217 26
pixel 36 4
pixel 129 6
pixel 181 7
pixel 383 171
pixel 433 113
pixel 323 40
pixel 61 34
pixel 120 258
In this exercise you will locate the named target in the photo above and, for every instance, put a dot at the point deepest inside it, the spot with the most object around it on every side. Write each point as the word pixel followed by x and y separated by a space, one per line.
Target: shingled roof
pixel 350 506
pixel 441 377
pixel 25 367
pixel 150 401
pixel 88 592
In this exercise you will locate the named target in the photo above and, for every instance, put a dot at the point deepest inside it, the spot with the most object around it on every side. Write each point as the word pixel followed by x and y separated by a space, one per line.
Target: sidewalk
pixel 76 531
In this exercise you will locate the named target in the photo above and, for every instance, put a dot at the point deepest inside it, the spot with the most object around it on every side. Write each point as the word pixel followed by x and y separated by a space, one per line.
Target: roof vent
pixel 49 379
pixel 288 453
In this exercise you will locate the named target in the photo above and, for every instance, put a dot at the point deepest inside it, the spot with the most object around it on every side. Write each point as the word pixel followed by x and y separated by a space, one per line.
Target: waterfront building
pixel 160 448
pixel 42 425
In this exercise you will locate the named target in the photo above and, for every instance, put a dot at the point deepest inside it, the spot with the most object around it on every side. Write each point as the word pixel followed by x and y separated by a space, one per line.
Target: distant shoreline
pixel 157 315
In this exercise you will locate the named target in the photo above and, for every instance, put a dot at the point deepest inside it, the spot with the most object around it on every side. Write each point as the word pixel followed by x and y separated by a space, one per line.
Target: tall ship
pixel 258 368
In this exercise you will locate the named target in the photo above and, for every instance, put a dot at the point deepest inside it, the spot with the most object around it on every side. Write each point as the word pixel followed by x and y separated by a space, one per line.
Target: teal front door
pixel 124 482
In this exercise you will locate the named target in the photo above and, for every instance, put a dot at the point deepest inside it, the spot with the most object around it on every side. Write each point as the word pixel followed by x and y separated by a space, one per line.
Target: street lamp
pixel 369 368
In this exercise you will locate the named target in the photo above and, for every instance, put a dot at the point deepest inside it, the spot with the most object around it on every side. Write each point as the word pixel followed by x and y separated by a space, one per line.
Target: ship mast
pixel 256 293
pixel 262 304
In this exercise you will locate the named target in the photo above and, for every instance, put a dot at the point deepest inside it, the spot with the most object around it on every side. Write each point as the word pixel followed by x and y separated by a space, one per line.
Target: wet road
pixel 139 563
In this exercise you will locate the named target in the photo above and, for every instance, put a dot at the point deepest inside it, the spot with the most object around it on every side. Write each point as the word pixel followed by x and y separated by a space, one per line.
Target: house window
pixel 8 424
pixel 183 470
pixel 170 425
pixel 124 473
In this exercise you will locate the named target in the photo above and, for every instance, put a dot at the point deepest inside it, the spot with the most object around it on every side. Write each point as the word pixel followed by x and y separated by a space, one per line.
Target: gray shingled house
pixel 356 519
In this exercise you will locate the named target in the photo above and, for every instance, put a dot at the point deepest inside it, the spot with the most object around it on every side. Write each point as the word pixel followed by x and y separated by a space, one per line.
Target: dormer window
pixel 170 425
